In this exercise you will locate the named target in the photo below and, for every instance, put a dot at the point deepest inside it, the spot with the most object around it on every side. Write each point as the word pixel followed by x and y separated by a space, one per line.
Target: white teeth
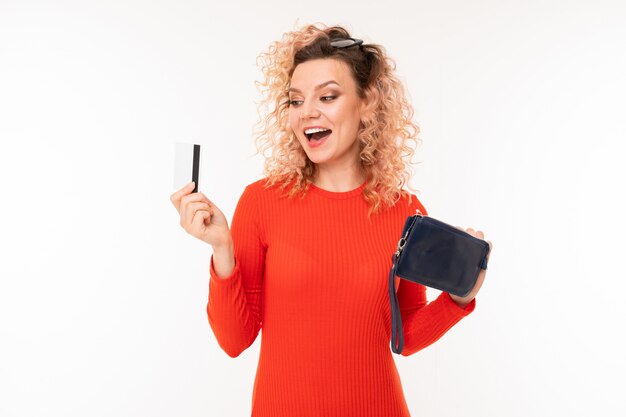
pixel 314 130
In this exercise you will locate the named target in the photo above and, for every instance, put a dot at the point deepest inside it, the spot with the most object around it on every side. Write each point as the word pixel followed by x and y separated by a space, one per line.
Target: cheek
pixel 293 126
pixel 292 120
pixel 343 115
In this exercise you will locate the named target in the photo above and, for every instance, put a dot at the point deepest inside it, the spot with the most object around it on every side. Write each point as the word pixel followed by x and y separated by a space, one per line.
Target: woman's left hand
pixel 463 301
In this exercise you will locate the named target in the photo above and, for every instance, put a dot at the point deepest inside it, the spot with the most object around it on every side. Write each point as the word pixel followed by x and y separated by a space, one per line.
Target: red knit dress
pixel 313 273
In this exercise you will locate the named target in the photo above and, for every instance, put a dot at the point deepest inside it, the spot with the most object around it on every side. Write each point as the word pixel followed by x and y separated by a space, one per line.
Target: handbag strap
pixel 396 317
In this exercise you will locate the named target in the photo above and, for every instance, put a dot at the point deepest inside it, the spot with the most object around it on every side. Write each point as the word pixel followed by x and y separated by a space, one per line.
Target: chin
pixel 315 160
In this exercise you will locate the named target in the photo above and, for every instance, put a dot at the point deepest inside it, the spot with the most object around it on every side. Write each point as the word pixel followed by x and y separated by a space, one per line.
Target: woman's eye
pixel 325 98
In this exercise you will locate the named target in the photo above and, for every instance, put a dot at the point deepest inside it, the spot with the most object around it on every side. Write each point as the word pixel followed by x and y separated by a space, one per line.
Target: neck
pixel 339 181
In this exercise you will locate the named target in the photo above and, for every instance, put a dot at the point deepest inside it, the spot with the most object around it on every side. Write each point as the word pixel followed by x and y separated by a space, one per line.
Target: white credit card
pixel 187 165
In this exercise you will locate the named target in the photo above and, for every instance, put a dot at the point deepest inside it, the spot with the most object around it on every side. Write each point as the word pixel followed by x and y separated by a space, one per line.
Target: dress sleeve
pixel 424 323
pixel 234 302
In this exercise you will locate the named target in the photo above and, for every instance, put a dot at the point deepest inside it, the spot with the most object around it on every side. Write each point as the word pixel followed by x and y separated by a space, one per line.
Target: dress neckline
pixel 338 194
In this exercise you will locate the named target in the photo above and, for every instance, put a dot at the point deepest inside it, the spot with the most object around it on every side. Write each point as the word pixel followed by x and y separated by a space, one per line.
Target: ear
pixel 368 104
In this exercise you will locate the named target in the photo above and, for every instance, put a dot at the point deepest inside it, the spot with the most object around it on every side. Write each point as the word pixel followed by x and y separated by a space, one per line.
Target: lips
pixel 318 132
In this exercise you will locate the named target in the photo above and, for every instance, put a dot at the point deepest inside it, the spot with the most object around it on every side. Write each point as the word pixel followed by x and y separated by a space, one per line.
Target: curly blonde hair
pixel 383 136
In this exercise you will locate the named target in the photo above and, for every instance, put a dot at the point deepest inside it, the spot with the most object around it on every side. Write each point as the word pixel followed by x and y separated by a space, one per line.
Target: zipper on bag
pixel 402 241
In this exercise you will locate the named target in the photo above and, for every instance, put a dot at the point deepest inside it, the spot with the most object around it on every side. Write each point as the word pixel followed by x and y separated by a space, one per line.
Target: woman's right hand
pixel 200 217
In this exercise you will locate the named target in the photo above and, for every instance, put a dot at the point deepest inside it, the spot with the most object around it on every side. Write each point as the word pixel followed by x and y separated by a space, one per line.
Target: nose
pixel 308 110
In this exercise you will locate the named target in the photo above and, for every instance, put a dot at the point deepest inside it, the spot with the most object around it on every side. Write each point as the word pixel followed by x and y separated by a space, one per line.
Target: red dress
pixel 313 273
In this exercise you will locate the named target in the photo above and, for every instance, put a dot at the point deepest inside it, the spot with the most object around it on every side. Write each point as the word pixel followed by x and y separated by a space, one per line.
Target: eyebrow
pixel 318 87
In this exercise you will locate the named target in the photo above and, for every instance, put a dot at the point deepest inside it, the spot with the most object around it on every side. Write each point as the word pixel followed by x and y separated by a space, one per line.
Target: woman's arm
pixel 424 323
pixel 236 275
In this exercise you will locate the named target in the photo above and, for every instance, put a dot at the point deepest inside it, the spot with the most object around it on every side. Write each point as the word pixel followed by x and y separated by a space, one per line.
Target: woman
pixel 312 271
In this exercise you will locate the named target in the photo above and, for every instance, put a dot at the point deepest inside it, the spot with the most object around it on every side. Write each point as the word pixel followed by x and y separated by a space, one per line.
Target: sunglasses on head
pixel 345 42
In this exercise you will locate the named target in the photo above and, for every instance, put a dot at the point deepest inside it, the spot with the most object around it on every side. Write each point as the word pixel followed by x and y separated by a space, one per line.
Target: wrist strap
pixel 396 317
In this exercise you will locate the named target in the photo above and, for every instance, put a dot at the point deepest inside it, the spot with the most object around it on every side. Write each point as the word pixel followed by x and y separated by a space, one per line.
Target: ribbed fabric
pixel 313 274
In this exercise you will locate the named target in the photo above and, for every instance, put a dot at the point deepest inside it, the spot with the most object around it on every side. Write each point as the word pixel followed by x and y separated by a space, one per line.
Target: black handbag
pixel 435 254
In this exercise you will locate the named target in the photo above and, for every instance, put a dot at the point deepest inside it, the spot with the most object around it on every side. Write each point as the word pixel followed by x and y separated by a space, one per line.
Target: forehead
pixel 312 73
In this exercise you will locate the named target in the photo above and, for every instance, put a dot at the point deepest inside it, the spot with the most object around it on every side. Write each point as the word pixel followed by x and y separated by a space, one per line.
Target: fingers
pixel 194 209
pixel 188 211
pixel 176 197
pixel 476 233
pixel 200 197
pixel 194 197
pixel 185 200
pixel 479 234
pixel 199 218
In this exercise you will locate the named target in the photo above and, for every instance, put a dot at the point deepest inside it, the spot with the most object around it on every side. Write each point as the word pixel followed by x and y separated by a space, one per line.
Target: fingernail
pixel 190 184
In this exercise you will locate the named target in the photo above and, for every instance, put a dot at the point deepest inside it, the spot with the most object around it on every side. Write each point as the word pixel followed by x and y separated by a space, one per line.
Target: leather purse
pixel 435 254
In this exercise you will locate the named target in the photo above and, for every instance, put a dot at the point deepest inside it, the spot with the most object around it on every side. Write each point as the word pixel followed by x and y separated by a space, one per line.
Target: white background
pixel 103 294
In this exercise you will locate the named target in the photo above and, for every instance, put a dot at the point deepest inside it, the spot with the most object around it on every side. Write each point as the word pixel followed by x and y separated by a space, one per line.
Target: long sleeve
pixel 424 323
pixel 234 302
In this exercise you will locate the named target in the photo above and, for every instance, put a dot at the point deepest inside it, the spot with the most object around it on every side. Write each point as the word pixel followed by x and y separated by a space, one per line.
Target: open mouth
pixel 318 135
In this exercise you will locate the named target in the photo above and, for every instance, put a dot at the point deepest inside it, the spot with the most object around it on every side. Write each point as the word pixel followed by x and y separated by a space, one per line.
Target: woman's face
pixel 323 94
